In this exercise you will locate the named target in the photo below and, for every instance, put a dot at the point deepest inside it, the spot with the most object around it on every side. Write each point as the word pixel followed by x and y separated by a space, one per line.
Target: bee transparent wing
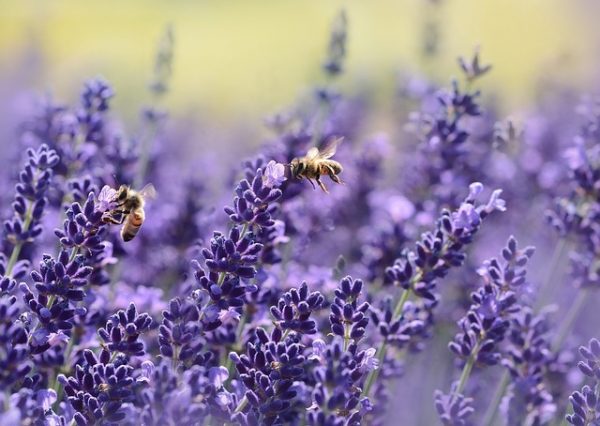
pixel 312 153
pixel 330 149
pixel 148 192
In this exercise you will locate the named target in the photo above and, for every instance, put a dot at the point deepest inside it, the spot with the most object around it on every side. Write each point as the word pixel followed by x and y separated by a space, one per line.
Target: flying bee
pixel 317 163
pixel 129 210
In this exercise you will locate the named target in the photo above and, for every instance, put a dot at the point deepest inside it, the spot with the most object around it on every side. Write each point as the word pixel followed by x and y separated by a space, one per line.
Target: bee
pixel 317 163
pixel 129 210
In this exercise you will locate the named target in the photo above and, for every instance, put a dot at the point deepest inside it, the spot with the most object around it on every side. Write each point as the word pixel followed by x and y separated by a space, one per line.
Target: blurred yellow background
pixel 246 58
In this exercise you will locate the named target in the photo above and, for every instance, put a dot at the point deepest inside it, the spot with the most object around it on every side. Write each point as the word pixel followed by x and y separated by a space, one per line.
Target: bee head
pixel 122 193
pixel 297 167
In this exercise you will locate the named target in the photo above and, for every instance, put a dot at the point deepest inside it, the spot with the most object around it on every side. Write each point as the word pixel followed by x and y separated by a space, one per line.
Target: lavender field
pixel 431 259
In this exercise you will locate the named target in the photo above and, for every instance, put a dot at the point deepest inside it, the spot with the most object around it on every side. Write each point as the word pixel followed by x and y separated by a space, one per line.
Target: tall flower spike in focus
pixel 418 272
pixel 30 201
pixel 529 359
pixel 85 233
pixel 341 367
pixel 268 371
pixel 586 403
pixel 99 389
pixel 485 325
pixel 225 278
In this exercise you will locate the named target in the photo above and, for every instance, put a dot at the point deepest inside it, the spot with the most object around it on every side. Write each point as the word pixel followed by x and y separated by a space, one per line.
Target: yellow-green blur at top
pixel 247 58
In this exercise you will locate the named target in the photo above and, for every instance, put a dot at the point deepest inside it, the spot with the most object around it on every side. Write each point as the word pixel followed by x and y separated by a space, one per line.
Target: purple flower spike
pixel 293 311
pixel 30 198
pixel 123 330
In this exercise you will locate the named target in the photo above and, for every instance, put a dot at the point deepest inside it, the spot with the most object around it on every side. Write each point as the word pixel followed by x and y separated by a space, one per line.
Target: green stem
pixel 59 393
pixel 492 410
pixel 238 337
pixel 569 319
pixel 400 306
pixel 175 357
pixel 374 374
pixel 51 300
pixel 244 231
pixel 466 372
pixel 49 303
pixel 64 368
pixel 241 405
pixel 74 252
pixel 555 261
pixel 14 256
pixel 220 281
pixel 346 337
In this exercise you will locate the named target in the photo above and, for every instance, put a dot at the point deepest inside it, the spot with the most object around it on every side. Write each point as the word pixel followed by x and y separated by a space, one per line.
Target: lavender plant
pixel 585 402
pixel 287 305
pixel 484 327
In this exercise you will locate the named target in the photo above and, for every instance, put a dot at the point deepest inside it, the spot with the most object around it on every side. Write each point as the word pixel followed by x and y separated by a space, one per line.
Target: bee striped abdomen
pixel 132 225
pixel 137 218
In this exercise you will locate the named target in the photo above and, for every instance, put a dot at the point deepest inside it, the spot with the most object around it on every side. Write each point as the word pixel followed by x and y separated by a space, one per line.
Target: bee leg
pixel 333 176
pixel 312 183
pixel 322 185
pixel 109 217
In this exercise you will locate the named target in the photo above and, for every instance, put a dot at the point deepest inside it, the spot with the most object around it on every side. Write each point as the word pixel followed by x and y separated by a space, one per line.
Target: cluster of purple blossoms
pixel 30 201
pixel 575 216
pixel 585 402
pixel 486 325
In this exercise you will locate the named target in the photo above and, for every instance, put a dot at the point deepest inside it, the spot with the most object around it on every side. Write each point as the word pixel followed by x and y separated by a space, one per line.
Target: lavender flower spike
pixel 30 200
pixel 586 403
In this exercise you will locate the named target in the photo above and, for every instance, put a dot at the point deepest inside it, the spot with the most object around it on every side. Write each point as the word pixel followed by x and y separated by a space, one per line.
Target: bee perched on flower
pixel 126 207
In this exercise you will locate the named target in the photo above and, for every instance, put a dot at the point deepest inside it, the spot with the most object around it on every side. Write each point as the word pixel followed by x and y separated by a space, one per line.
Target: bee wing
pixel 329 150
pixel 312 153
pixel 148 192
